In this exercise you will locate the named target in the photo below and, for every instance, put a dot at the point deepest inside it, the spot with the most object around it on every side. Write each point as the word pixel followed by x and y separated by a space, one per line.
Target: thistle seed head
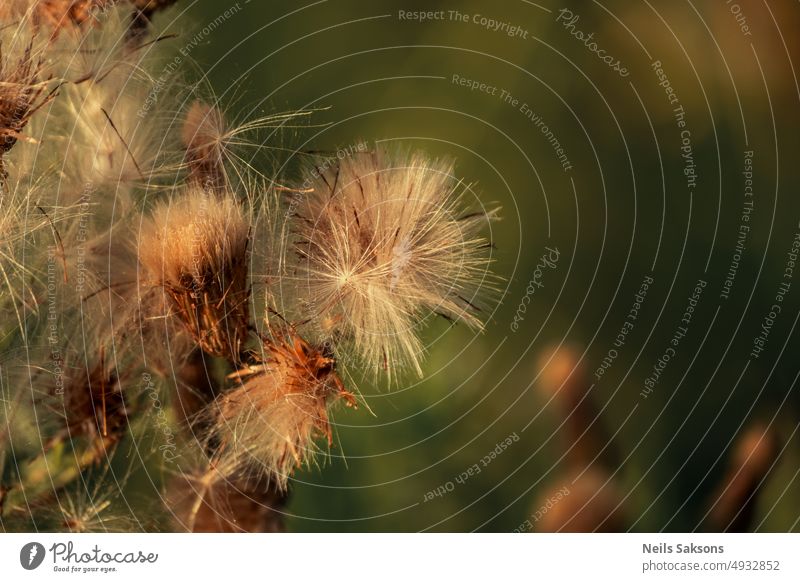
pixel 383 240
pixel 203 135
pixel 280 406
pixel 22 93
pixel 196 248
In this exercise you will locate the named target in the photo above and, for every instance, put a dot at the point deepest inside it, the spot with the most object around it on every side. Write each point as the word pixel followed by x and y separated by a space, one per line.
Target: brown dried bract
pixel 22 93
pixel 299 368
pixel 280 407
pixel 214 312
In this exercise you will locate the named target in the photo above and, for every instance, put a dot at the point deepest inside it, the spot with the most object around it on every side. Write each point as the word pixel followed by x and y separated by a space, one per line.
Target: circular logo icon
pixel 31 555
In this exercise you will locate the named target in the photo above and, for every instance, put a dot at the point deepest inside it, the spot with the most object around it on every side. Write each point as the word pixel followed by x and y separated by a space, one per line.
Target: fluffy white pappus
pixel 106 308
pixel 92 42
pixel 194 238
pixel 203 134
pixel 196 248
pixel 105 146
pixel 14 228
pixel 223 151
pixel 22 93
pixel 110 127
pixel 384 239
pixel 269 422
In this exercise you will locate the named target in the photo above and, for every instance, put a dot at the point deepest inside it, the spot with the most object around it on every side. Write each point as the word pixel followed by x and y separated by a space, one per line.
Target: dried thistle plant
pixel 107 146
pixel 197 250
pixel 383 238
pixel 220 154
pixel 22 93
pixel 95 507
pixel 271 418
pixel 374 244
pixel 91 504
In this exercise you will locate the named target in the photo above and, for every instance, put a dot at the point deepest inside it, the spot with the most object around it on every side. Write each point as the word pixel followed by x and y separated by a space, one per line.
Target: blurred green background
pixel 623 211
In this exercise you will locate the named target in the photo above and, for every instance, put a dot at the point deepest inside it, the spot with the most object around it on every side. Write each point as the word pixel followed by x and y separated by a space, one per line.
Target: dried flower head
pixel 222 153
pixel 270 420
pixel 383 240
pixel 203 135
pixel 104 142
pixel 22 93
pixel 196 248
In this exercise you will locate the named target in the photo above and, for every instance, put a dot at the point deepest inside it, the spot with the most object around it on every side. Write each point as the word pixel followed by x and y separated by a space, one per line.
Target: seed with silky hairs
pixel 203 136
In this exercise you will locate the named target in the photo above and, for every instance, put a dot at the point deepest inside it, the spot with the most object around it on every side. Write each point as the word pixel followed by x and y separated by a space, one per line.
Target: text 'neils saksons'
pixel 664 548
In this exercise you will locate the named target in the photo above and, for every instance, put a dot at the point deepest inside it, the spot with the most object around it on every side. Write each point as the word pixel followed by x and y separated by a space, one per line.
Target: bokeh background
pixel 621 212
